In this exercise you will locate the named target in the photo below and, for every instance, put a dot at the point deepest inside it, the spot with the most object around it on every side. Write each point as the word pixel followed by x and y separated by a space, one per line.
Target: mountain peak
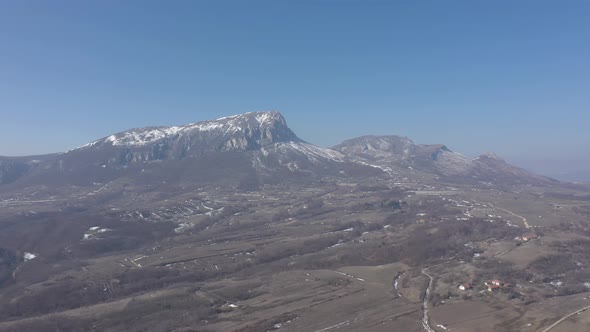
pixel 262 117
pixel 371 144
pixel 268 126
pixel 489 156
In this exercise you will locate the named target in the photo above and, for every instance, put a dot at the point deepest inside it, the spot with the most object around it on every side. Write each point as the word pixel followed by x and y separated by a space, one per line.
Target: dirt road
pixel 526 223
pixel 564 318
pixel 425 318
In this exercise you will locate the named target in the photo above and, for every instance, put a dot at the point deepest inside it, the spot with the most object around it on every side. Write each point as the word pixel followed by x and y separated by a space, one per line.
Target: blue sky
pixel 512 77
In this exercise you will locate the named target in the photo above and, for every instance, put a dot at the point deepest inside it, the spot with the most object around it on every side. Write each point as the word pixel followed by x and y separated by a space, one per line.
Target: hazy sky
pixel 512 77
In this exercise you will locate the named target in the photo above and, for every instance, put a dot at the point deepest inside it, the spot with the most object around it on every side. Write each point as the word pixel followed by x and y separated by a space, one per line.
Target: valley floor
pixel 337 257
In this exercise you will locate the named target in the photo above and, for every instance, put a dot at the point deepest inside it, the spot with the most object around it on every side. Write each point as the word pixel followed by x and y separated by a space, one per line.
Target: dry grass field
pixel 340 258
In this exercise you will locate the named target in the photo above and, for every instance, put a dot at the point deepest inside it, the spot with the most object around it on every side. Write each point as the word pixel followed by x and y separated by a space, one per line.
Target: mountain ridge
pixel 265 124
pixel 401 152
pixel 261 145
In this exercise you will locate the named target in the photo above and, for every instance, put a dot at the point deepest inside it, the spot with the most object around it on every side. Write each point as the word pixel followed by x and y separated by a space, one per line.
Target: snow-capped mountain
pixel 395 152
pixel 263 136
pixel 401 152
pixel 256 148
pixel 239 132
pixel 257 144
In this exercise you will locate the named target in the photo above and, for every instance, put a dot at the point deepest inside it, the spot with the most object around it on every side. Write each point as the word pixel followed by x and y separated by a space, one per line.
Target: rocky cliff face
pixel 242 132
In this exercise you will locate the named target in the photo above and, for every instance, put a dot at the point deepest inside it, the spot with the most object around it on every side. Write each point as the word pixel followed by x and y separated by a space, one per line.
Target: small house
pixel 465 286
pixel 496 282
pixel 492 288
pixel 529 236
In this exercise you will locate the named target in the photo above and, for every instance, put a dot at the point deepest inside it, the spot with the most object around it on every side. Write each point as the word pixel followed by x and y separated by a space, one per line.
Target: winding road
pixel 526 223
pixel 425 318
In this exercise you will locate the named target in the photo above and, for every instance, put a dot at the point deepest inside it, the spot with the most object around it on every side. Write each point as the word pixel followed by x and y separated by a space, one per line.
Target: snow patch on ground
pixel 142 136
pixel 312 152
pixel 94 232
pixel 387 170
pixel 263 117
pixel 29 256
